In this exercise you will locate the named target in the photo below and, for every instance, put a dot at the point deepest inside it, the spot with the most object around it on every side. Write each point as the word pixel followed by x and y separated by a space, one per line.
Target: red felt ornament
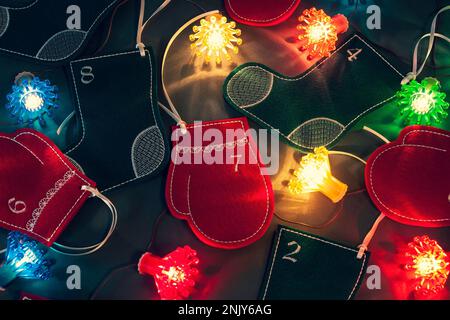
pixel 227 202
pixel 261 13
pixel 175 274
pixel 29 296
pixel 41 190
pixel 409 179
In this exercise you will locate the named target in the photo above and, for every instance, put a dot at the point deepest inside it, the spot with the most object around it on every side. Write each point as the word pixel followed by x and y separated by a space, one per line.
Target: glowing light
pixel 319 32
pixel 422 102
pixel 214 37
pixel 24 259
pixel 31 99
pixel 314 175
pixel 175 274
pixel 429 263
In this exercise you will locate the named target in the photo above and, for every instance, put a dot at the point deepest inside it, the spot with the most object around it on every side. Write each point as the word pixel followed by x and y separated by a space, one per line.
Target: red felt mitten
pixel 228 205
pixel 409 179
pixel 40 190
pixel 261 12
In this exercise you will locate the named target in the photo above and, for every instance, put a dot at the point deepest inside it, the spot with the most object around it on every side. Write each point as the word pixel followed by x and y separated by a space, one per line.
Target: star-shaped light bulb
pixel 214 37
pixel 314 175
pixel 175 274
pixel 319 32
pixel 422 102
pixel 429 263
pixel 24 259
pixel 31 99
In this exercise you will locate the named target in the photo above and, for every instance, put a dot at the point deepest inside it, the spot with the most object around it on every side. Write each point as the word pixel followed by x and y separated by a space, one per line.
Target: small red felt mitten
pixel 261 12
pixel 218 185
pixel 409 179
pixel 40 190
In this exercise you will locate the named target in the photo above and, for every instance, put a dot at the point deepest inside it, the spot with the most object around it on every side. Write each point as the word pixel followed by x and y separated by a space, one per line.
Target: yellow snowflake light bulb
pixel 314 175
pixel 214 37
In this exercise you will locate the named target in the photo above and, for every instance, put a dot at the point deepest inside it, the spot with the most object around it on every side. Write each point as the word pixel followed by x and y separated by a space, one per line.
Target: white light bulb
pixel 422 102
pixel 32 101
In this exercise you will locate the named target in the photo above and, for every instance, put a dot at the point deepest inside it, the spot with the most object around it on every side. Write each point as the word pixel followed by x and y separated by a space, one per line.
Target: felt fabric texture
pixel 260 13
pixel 317 107
pixel 304 266
pixel 38 29
pixel 228 205
pixel 41 189
pixel 115 99
pixel 409 179
pixel 29 296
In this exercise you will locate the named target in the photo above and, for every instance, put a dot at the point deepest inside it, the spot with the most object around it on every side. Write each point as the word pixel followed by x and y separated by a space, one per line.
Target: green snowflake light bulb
pixel 422 102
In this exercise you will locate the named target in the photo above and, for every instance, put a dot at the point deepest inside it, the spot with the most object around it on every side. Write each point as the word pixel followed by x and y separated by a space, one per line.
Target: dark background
pixel 197 92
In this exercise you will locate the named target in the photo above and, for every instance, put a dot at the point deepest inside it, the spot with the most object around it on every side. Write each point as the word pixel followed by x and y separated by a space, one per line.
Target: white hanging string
pixel 363 247
pixel 377 134
pixel 432 35
pixel 348 154
pixel 83 251
pixel 142 24
pixel 173 111
pixel 65 123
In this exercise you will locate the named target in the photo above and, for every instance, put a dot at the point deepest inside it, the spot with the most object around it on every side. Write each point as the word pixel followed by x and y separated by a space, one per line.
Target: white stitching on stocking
pixel 318 239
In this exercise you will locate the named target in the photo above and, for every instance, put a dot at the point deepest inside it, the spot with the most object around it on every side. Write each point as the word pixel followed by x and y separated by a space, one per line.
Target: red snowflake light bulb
pixel 429 263
pixel 319 32
pixel 175 274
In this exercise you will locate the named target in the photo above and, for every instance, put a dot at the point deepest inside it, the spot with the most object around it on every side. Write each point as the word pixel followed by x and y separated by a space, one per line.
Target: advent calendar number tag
pixel 305 266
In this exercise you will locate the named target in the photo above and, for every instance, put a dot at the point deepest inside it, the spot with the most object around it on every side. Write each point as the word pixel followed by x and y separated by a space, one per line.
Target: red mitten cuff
pixel 409 179
pixel 227 205
pixel 40 190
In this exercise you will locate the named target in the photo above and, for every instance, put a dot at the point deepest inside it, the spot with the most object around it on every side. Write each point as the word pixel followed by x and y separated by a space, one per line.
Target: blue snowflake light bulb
pixel 24 259
pixel 31 99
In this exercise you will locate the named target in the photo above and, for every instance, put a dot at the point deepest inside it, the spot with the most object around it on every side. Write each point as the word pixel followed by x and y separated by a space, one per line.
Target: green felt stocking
pixel 317 107
pixel 50 31
pixel 122 136
pixel 303 266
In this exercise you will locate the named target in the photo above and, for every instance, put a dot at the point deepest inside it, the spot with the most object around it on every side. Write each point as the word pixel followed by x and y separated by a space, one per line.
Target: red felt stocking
pixel 226 205
pixel 409 179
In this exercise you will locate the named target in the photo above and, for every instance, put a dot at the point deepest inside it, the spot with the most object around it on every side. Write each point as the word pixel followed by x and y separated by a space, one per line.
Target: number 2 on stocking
pixel 290 255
